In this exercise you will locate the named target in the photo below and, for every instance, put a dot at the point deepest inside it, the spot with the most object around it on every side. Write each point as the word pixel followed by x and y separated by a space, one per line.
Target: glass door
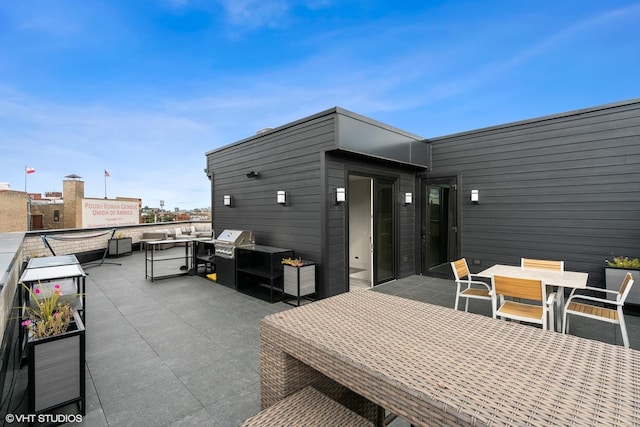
pixel 439 225
pixel 384 231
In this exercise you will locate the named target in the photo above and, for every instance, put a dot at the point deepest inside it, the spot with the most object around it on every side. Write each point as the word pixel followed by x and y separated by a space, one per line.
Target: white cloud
pixel 255 13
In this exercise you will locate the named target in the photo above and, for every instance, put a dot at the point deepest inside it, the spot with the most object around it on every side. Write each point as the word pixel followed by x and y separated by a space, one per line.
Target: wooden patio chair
pixel 464 277
pixel 538 308
pixel 598 308
pixel 542 263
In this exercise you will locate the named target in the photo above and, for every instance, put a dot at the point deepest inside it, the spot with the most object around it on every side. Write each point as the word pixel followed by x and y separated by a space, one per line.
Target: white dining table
pixel 558 279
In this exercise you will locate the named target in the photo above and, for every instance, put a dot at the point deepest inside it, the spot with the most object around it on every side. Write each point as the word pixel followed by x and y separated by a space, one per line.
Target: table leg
pixel 282 375
pixel 560 308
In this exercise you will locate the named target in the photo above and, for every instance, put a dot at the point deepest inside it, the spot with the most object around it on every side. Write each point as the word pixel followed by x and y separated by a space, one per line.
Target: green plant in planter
pixel 624 262
pixel 48 316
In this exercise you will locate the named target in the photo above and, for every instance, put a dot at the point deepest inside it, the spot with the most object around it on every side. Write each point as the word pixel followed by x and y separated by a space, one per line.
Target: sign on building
pixel 109 213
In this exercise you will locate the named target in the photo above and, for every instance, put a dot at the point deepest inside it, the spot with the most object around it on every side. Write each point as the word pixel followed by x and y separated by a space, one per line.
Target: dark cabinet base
pixel 259 271
pixel 226 272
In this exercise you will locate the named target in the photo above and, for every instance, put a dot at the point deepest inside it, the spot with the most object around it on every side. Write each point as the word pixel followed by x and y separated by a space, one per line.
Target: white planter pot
pixel 300 281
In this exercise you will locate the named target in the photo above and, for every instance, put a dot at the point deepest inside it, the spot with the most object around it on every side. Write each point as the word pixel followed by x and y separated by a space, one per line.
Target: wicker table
pixel 436 366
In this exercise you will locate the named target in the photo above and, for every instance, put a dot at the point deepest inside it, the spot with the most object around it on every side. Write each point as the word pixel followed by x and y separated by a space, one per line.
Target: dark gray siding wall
pixel 335 268
pixel 287 160
pixel 565 187
pixel 338 168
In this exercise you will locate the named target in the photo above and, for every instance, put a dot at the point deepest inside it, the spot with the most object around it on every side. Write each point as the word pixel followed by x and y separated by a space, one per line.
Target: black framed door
pixel 384 247
pixel 439 224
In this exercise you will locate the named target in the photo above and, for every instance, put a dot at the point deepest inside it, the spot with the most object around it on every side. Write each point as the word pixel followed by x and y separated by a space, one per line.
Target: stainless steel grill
pixel 228 240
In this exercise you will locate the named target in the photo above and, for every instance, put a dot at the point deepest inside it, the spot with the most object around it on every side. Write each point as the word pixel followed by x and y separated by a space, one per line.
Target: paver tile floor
pixel 184 351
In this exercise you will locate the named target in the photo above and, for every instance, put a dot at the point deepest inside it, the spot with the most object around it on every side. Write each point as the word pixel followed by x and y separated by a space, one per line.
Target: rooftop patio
pixel 185 351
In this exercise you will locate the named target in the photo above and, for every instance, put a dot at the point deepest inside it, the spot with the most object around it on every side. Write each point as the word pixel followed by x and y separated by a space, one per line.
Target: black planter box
pixel 57 371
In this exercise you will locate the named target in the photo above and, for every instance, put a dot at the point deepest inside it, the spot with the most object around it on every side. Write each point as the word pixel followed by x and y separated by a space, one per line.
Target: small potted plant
pixel 53 332
pixel 616 269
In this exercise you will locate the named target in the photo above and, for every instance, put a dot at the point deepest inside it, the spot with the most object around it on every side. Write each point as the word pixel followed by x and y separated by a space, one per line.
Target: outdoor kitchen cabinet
pixel 259 271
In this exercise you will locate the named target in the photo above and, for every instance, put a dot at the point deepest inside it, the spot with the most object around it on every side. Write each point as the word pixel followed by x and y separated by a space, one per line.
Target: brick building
pixel 14 207
pixel 55 211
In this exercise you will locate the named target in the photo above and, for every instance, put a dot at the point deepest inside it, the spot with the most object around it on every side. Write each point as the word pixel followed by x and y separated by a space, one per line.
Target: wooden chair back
pixel 460 269
pixel 542 263
pixel 625 288
pixel 519 288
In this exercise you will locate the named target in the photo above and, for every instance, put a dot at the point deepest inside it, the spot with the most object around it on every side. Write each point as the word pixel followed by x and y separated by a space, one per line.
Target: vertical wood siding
pixel 565 187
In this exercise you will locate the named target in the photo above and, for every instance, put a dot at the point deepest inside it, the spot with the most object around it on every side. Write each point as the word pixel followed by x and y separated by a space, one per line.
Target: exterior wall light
pixel 408 198
pixel 475 196
pixel 281 197
pixel 340 195
pixel 227 200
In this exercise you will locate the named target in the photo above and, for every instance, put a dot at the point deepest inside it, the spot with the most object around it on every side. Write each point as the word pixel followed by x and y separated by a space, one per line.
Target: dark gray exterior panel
pixel 564 187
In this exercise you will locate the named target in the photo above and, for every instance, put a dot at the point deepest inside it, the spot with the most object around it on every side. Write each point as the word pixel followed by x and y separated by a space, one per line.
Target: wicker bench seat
pixel 307 407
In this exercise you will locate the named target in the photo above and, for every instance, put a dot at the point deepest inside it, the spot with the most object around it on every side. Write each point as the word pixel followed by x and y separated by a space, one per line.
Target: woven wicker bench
pixel 307 407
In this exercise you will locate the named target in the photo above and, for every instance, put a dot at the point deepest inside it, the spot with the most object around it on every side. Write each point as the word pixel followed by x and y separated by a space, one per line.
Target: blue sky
pixel 144 88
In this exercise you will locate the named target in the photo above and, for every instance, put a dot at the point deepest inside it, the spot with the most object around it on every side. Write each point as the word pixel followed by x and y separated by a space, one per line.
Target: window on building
pixel 56 215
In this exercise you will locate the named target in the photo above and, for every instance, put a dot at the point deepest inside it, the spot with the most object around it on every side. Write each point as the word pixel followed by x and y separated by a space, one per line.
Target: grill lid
pixel 236 237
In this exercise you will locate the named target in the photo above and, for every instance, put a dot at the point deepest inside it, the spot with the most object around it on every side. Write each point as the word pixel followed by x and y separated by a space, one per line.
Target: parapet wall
pixel 65 242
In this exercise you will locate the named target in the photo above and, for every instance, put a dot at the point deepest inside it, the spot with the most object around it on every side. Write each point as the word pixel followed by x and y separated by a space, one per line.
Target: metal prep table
pixel 188 267
pixel 259 271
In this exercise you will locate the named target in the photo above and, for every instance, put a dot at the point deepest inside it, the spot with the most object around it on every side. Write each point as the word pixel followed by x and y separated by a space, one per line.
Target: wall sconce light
pixel 281 197
pixel 227 200
pixel 340 195
pixel 252 174
pixel 408 198
pixel 475 196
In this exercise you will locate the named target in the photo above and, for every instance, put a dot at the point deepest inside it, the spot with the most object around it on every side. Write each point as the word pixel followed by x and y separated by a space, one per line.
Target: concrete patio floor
pixel 184 351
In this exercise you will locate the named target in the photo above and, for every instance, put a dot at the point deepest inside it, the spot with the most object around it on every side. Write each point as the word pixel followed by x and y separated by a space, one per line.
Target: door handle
pixel 454 229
